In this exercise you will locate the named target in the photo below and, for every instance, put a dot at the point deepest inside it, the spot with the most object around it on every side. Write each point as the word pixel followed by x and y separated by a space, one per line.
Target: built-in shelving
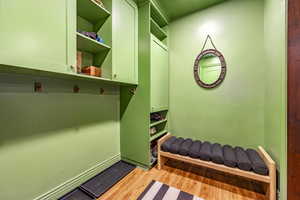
pixel 157 16
pixel 151 96
pixel 87 44
pixel 91 11
pixel 157 135
pixel 158 122
pixel 157 31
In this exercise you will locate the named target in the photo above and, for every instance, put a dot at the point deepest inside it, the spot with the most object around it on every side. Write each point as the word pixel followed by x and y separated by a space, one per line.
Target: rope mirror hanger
pixel 197 68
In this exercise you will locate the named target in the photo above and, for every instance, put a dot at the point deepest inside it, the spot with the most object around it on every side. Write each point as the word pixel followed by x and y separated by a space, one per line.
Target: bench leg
pixel 161 161
pixel 272 186
pixel 272 191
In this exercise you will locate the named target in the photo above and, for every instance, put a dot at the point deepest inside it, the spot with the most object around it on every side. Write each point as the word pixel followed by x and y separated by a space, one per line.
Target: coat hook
pixel 76 89
pixel 102 91
pixel 38 87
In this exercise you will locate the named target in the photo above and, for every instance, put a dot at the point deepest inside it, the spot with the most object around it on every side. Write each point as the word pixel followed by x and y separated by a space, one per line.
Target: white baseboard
pixel 71 184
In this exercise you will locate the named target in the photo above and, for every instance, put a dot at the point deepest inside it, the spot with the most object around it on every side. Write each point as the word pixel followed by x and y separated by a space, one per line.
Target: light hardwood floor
pixel 205 183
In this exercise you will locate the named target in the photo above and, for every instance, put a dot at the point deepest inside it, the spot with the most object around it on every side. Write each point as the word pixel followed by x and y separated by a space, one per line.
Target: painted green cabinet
pixel 125 41
pixel 159 76
pixel 38 34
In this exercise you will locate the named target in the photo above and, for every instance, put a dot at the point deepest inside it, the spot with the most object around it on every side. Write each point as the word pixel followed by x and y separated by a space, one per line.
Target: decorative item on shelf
pixel 153 131
pixel 92 71
pixel 79 62
pixel 156 117
pixel 99 2
pixel 92 35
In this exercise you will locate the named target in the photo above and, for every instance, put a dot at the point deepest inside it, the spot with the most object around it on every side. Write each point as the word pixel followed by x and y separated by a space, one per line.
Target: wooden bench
pixel 270 180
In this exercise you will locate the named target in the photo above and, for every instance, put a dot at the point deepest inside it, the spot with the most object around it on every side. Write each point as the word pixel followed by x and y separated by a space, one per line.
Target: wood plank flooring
pixel 202 182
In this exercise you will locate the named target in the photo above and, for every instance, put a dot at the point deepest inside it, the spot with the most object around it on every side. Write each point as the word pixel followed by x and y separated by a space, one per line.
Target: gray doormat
pixel 76 194
pixel 106 179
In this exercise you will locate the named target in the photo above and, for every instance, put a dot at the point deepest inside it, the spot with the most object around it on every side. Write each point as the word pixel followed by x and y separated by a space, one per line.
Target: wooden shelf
pixel 61 75
pixel 157 135
pixel 157 31
pixel 87 44
pixel 155 110
pixel 157 16
pixel 158 122
pixel 91 11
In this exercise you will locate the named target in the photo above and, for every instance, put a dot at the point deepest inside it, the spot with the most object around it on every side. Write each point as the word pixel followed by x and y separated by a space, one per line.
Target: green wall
pixel 233 113
pixel 56 139
pixel 249 108
pixel 275 90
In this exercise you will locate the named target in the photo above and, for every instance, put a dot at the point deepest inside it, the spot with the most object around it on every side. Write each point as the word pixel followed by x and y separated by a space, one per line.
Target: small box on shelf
pixel 92 71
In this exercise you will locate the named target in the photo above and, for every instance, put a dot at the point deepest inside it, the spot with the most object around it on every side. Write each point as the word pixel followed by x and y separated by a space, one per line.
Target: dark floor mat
pixel 76 194
pixel 106 179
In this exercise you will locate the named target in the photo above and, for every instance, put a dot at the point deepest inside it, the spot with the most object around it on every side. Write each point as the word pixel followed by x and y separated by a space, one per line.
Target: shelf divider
pixel 157 31
pixel 87 44
pixel 158 122
pixel 157 15
pixel 157 135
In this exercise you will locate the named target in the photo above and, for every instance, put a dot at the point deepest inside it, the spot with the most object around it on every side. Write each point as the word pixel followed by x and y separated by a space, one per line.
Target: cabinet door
pixel 159 76
pixel 125 41
pixel 38 34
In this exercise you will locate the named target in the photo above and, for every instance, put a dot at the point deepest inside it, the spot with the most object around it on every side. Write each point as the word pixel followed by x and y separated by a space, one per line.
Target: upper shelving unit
pixel 157 16
pixel 87 44
pixel 91 11
pixel 157 30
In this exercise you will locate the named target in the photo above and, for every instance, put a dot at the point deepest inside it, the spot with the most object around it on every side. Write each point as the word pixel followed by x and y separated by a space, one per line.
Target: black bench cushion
pixel 229 156
pixel 258 165
pixel 217 153
pixel 243 161
pixel 175 146
pixel 185 147
pixel 166 146
pixel 195 149
pixel 205 151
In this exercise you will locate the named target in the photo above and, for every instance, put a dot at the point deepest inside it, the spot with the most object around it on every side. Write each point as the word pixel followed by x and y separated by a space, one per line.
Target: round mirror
pixel 210 68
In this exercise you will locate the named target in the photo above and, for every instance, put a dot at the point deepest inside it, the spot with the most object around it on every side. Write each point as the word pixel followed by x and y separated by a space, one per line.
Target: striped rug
pixel 159 191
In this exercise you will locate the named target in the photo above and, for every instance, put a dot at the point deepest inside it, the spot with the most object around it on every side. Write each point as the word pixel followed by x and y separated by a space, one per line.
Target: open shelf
pixel 91 11
pixel 157 135
pixel 158 122
pixel 154 110
pixel 157 31
pixel 61 75
pixel 87 44
pixel 157 16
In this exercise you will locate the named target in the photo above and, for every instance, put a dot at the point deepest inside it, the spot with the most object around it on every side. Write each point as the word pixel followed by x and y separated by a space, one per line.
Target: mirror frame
pixel 197 69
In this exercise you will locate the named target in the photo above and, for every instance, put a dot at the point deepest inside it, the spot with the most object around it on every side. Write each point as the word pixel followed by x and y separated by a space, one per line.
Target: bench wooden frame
pixel 270 179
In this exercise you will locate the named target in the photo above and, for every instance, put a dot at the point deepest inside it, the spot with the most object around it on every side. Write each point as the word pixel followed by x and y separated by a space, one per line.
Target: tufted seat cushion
pixel 231 157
